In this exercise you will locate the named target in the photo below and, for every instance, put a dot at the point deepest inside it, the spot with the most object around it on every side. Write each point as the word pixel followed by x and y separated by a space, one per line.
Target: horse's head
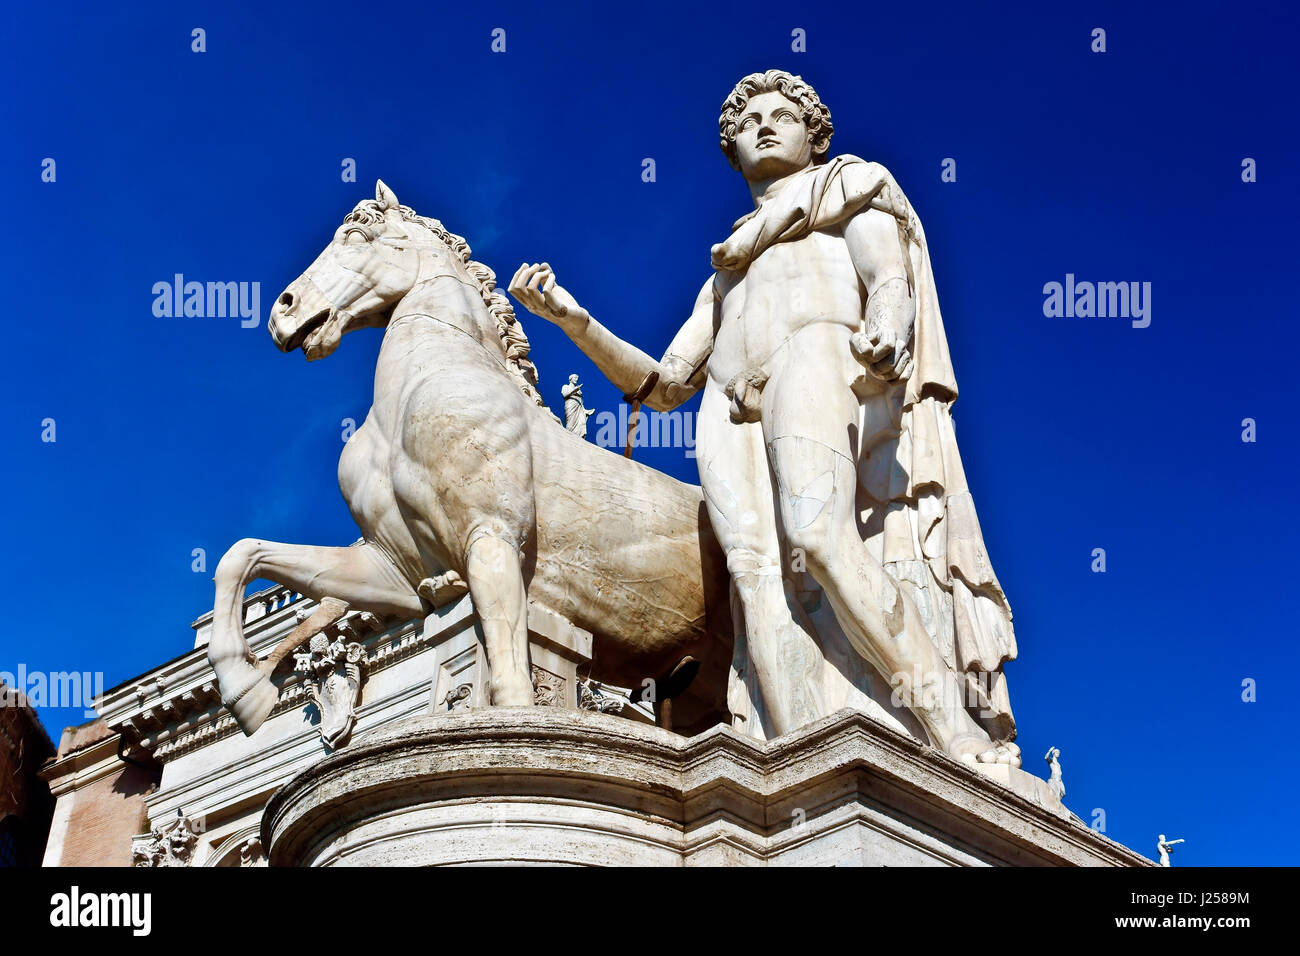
pixel 371 263
pixel 382 251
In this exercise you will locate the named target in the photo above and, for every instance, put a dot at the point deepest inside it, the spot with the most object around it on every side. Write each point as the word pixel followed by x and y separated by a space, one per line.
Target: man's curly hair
pixel 815 114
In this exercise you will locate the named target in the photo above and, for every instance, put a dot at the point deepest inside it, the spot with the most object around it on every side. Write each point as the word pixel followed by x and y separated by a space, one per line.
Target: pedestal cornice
pixel 542 785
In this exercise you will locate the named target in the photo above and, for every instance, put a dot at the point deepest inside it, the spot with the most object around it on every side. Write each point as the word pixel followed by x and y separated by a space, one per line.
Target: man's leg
pixel 810 422
pixel 739 497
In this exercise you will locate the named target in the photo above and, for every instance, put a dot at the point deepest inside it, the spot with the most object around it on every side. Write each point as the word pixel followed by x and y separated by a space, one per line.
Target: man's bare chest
pixel 788 287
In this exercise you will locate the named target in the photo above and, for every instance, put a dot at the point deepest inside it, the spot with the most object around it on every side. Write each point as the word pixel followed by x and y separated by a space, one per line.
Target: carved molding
pixel 458 697
pixel 334 672
pixel 241 848
pixel 591 698
pixel 171 844
pixel 251 852
pixel 548 688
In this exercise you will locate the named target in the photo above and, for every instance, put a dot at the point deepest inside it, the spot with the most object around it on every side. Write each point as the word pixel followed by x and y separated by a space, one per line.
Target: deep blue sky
pixel 1077 433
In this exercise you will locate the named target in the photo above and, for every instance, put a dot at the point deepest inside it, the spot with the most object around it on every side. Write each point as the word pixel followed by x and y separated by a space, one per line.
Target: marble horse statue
pixel 461 479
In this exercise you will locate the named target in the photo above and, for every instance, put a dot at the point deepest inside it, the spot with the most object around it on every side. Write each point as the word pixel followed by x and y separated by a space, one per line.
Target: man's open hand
pixel 883 355
pixel 537 291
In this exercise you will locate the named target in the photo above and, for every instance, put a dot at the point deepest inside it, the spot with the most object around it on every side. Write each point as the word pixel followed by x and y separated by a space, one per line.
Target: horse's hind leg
pixel 496 585
pixel 361 575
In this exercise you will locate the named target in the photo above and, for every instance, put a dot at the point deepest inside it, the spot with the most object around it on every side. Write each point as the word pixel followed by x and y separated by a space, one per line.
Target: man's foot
pixel 978 748
pixel 1004 752
pixel 970 748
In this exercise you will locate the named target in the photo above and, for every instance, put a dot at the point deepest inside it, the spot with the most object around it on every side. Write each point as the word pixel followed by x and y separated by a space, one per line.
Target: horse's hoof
pixel 254 705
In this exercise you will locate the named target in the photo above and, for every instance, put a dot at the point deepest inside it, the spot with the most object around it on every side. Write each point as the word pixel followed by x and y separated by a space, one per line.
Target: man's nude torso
pixel 762 308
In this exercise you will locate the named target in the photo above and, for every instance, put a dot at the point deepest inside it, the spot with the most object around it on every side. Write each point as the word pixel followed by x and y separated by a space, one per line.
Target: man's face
pixel 771 139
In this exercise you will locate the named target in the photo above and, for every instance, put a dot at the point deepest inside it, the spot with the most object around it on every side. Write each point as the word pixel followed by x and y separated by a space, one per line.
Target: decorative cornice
pixel 83 767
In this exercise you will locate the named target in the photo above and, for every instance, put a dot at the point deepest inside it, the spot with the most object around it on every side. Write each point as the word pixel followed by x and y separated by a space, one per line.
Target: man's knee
pixel 810 549
pixel 746 565
pixel 806 518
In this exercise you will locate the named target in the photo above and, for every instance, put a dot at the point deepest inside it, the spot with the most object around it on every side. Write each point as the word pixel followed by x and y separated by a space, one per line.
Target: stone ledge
pixel 539 785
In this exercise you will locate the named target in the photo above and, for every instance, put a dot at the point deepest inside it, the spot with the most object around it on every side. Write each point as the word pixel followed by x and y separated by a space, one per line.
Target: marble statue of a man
pixel 1057 779
pixel 824 440
pixel 1165 848
pixel 575 412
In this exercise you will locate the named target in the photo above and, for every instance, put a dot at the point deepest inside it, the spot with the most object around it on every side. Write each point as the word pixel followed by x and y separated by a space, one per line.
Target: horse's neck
pixel 448 300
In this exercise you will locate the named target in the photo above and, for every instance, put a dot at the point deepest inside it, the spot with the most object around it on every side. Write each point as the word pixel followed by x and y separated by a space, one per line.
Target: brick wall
pixel 102 818
pixel 25 801
pixel 100 799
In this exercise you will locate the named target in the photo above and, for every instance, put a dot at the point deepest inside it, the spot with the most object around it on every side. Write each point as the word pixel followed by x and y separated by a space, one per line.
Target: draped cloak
pixel 916 512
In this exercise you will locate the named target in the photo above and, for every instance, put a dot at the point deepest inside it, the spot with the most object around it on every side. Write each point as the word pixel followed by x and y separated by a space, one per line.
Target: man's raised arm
pixel 626 366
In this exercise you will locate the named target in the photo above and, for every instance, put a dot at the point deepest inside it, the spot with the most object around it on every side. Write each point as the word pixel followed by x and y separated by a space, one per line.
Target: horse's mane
pixel 370 212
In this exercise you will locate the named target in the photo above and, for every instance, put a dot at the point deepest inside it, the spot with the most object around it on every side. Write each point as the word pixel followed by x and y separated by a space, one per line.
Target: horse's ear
pixel 385 196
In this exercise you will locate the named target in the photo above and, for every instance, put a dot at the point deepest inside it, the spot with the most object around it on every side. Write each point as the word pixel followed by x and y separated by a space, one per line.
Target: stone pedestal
pixel 557 650
pixel 547 785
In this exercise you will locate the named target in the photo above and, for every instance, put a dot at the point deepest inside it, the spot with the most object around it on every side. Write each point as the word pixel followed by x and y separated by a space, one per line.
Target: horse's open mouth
pixel 305 330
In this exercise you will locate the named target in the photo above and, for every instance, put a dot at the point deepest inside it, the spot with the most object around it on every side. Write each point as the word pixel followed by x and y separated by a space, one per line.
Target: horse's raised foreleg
pixel 496 585
pixel 360 575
